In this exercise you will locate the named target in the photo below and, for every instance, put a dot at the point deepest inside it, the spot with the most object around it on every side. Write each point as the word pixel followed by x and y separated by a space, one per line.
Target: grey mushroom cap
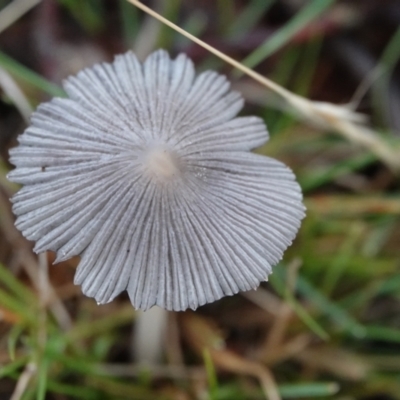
pixel 145 171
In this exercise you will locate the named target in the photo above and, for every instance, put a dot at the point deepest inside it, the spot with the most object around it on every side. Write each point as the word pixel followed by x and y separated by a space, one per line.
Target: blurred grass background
pixel 327 325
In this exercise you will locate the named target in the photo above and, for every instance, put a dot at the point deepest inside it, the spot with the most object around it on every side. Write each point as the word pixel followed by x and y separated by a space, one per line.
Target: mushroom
pixel 145 171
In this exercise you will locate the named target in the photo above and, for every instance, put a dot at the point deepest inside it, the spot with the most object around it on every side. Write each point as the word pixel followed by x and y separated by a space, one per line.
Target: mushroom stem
pixel 148 336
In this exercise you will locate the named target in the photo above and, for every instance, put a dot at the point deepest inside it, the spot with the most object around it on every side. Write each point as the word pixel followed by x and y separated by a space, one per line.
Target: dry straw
pixel 327 116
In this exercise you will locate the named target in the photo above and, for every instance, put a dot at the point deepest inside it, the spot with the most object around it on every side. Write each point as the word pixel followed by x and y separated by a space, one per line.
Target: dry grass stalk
pixel 341 119
pixel 263 299
pixel 345 205
pixel 341 363
pixel 15 10
pixel 23 381
pixel 12 90
pixel 202 334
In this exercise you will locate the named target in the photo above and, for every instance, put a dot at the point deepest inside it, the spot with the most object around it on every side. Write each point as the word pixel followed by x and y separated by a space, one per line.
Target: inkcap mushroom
pixel 145 171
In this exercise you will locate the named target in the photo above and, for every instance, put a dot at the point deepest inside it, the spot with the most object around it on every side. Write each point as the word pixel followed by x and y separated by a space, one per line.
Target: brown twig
pixel 23 381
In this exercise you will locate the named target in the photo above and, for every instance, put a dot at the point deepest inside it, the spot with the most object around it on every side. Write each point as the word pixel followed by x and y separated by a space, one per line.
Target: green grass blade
pixel 80 364
pixel 308 390
pixel 211 375
pixel 226 14
pixel 42 379
pixel 195 24
pixel 309 321
pixel 383 333
pixel 14 285
pixel 171 12
pixel 12 367
pixel 309 60
pixel 130 22
pixel 316 178
pixel 329 308
pixel 249 17
pixel 299 62
pixel 341 260
pixel 12 339
pixel 278 283
pixel 87 329
pixel 390 286
pixel 388 61
pixel 16 305
pixel 90 14
pixel 21 72
pixel 73 391
pixel 306 15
